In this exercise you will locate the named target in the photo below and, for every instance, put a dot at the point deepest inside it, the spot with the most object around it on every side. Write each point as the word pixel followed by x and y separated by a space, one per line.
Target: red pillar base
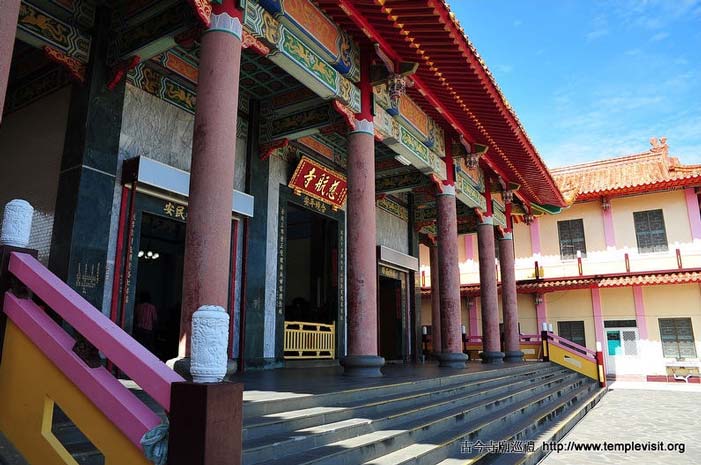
pixel 513 356
pixel 367 366
pixel 451 360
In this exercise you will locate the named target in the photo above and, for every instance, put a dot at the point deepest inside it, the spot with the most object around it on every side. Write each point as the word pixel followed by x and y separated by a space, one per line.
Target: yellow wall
pixel 527 314
pixel 522 241
pixel 462 253
pixel 677 301
pixel 572 305
pixel 673 205
pixel 617 303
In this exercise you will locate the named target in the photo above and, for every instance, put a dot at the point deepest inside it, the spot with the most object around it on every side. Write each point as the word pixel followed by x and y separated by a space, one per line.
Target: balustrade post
pixel 206 423
pixel 600 365
pixel 14 237
pixel 544 341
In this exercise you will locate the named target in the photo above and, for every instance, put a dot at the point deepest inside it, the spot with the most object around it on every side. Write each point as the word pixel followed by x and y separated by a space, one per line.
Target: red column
pixel 8 29
pixel 436 339
pixel 488 287
pixel 207 241
pixel 451 354
pixel 362 358
pixel 512 338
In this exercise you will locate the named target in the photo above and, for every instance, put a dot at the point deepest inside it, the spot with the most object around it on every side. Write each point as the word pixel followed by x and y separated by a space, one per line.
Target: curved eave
pixel 640 188
pixel 453 83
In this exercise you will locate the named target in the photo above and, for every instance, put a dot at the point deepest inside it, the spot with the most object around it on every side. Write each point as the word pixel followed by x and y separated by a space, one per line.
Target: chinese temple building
pixel 619 267
pixel 336 137
pixel 282 160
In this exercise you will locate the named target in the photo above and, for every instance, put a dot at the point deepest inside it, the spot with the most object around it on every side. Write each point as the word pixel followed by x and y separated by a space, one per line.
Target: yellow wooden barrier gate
pixel 304 340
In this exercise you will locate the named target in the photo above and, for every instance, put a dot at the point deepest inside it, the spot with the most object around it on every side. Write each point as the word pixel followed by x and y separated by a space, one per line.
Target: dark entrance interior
pixel 159 280
pixel 390 318
pixel 311 273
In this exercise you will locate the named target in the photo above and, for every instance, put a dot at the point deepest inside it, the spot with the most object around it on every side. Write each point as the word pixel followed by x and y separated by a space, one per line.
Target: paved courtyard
pixel 642 413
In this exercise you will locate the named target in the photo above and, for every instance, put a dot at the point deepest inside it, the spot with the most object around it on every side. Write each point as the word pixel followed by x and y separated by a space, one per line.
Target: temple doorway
pixel 311 284
pixel 161 247
pixel 390 319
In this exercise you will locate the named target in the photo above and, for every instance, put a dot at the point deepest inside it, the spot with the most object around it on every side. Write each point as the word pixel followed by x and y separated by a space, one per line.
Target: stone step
pixel 551 432
pixel 366 418
pixel 497 410
pixel 526 429
pixel 274 425
pixel 256 408
pixel 445 448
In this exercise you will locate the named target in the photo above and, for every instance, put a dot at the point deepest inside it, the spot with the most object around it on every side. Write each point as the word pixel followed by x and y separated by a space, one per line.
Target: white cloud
pixel 596 34
pixel 659 36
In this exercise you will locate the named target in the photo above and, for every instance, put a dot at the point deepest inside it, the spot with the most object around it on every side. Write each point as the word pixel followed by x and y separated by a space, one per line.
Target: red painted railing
pixel 123 409
pixel 144 368
pixel 530 345
pixel 569 345
pixel 574 356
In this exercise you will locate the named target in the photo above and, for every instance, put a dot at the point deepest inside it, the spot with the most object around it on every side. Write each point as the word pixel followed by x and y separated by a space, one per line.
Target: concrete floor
pixel 641 413
pixel 295 382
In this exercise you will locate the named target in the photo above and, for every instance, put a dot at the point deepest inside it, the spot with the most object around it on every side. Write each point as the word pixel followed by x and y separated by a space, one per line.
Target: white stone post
pixel 16 223
pixel 210 339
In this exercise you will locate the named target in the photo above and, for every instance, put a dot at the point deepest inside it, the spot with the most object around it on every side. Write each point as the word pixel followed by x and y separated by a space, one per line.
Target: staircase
pixel 429 421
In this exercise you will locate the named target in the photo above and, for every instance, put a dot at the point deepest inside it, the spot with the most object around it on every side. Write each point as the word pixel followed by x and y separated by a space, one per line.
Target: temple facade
pixel 281 159
pixel 619 267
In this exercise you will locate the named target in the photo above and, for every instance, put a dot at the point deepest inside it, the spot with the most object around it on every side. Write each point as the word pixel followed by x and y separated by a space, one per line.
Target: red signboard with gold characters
pixel 319 182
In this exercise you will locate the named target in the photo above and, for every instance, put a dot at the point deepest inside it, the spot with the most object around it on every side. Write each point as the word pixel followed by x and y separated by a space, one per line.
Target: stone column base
pixel 452 359
pixel 367 366
pixel 182 367
pixel 513 356
pixel 492 357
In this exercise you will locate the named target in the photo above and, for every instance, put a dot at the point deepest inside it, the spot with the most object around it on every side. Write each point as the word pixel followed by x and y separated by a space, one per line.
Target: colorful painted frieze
pixel 317 146
pixel 299 124
pixel 39 28
pixel 498 214
pixel 291 53
pixel 392 206
pixel 410 115
pixel 467 193
pixel 167 89
pixel 318 32
pixel 178 63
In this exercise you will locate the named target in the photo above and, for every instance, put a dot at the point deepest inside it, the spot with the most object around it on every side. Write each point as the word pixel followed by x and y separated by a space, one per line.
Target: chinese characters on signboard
pixel 175 211
pixel 319 182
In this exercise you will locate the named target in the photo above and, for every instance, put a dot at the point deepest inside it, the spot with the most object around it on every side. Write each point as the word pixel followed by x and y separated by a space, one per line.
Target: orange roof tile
pixel 585 282
pixel 651 170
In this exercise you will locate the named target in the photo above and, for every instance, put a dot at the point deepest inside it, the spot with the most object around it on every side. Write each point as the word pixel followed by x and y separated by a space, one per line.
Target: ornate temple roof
pixel 452 83
pixel 651 170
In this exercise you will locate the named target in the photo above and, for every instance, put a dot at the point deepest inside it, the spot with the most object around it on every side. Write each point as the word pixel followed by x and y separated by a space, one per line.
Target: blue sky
pixel 593 79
